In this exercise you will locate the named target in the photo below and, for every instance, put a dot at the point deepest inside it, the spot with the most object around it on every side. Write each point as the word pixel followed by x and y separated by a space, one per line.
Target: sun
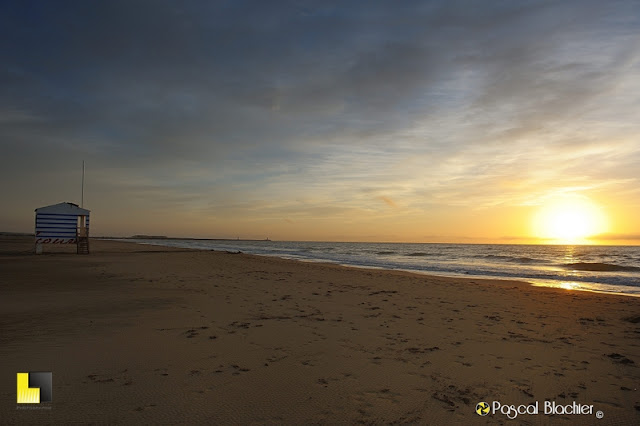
pixel 569 220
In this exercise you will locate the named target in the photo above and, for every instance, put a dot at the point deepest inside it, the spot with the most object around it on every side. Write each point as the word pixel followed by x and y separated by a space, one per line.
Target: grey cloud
pixel 139 61
pixel 257 92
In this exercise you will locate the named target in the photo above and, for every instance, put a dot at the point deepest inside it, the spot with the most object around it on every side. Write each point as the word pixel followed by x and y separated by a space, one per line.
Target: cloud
pixel 388 201
pixel 319 106
pixel 616 237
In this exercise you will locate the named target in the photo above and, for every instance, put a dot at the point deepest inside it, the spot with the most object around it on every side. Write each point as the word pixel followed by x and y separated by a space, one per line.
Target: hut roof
pixel 64 208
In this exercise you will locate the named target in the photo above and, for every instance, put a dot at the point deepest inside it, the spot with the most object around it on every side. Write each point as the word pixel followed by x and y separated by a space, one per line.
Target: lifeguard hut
pixel 63 223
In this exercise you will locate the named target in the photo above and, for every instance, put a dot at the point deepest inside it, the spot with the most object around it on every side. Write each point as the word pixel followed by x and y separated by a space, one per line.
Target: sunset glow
pixel 570 220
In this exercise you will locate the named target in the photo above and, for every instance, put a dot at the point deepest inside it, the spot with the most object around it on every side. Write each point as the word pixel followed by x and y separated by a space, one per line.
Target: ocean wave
pixel 600 267
pixel 521 259
pixel 385 252
pixel 418 254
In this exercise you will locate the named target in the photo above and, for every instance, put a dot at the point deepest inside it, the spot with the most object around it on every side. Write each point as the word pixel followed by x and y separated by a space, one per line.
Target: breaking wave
pixel 600 267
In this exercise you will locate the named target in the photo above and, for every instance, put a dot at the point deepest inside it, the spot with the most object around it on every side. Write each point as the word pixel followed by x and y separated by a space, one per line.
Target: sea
pixel 610 269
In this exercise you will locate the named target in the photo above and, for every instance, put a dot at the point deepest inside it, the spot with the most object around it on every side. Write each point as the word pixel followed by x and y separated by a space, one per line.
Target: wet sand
pixel 143 334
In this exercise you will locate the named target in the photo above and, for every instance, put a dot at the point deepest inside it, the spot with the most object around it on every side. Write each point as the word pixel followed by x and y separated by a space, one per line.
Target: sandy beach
pixel 146 335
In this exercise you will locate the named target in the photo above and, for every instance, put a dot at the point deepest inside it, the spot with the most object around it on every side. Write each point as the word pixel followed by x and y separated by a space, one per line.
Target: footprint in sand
pixel 146 407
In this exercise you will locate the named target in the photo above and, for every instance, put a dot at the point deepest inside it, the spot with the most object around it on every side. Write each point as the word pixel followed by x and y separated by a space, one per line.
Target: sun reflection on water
pixel 566 285
pixel 569 255
pixel 569 286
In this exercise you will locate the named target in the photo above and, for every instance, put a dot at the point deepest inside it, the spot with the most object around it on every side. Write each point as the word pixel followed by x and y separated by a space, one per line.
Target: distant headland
pixel 164 237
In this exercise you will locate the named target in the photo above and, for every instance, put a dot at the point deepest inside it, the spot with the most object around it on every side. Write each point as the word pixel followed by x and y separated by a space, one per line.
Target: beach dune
pixel 146 334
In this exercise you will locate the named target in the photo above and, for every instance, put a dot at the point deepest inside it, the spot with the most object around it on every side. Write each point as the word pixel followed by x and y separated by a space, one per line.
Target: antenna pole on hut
pixel 82 196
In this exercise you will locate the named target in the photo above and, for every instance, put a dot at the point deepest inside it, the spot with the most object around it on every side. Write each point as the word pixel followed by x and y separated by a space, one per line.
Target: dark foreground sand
pixel 139 334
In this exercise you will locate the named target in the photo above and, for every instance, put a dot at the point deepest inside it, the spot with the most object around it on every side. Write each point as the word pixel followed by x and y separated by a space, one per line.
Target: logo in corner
pixel 34 387
pixel 482 408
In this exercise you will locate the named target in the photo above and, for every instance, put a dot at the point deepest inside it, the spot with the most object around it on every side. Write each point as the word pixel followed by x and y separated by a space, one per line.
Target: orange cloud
pixel 388 201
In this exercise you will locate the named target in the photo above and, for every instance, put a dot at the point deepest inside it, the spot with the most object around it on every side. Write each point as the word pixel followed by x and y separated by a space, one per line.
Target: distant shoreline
pixel 162 237
pixel 140 237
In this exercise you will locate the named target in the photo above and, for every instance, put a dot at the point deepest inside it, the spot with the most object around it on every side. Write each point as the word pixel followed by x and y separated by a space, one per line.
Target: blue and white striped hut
pixel 63 223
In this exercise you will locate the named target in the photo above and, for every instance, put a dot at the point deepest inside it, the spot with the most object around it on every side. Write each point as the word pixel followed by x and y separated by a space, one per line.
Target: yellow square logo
pixel 34 387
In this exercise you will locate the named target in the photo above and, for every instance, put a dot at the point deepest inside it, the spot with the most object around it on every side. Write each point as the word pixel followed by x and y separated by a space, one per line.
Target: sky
pixel 416 121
